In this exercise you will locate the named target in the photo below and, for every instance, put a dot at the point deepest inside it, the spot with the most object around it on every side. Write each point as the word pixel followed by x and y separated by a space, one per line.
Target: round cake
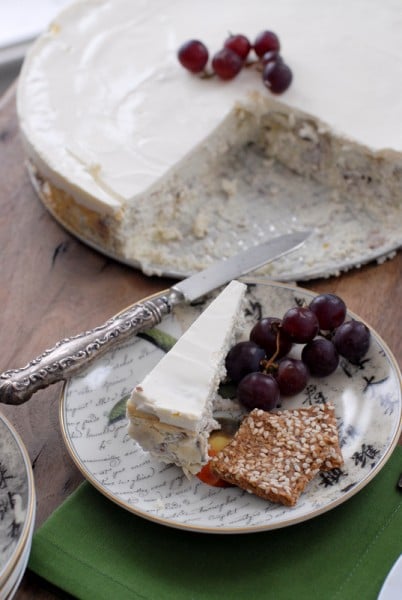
pixel 168 171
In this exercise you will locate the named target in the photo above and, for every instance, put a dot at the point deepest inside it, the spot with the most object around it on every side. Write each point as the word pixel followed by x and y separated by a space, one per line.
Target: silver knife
pixel 70 355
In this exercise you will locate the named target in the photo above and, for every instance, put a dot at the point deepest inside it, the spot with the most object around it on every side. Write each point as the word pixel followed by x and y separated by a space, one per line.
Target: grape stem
pixel 253 63
pixel 269 365
pixel 207 74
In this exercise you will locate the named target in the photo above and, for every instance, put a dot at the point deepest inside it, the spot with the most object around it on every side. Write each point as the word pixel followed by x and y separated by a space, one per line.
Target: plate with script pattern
pixel 367 399
pixel 17 505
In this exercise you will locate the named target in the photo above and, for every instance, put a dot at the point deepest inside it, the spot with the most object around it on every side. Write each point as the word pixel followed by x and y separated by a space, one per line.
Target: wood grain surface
pixel 53 286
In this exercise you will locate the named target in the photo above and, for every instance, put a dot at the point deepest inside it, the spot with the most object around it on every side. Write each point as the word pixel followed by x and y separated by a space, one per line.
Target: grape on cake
pixel 168 171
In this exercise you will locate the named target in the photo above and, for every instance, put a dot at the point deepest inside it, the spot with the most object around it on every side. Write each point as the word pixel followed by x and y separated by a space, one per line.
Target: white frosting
pixel 106 110
pixel 171 411
pixel 180 389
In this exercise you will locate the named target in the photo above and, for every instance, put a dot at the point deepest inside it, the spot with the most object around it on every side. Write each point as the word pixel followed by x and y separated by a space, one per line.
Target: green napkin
pixel 94 549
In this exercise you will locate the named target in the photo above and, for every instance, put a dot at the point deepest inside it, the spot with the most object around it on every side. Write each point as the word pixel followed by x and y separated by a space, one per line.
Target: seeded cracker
pixel 275 454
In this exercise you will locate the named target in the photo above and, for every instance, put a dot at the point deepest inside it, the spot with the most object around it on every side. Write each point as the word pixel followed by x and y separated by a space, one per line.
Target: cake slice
pixel 276 454
pixel 170 411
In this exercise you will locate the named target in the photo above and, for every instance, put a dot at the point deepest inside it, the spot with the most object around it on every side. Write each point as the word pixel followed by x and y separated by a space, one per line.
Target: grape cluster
pixel 193 55
pixel 262 368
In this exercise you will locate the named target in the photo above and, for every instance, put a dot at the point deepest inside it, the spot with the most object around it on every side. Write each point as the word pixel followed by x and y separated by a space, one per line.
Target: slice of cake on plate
pixel 171 410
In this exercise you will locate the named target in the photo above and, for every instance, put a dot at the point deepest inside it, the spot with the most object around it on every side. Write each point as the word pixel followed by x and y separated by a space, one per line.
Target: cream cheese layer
pixel 180 389
pixel 106 111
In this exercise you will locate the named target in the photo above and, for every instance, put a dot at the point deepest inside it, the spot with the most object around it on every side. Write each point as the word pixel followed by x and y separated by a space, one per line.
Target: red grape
pixel 277 76
pixel 352 340
pixel 261 380
pixel 239 44
pixel 321 357
pixel 266 41
pixel 193 56
pixel 258 390
pixel 292 376
pixel 265 334
pixel 227 64
pixel 243 358
pixel 271 56
pixel 300 324
pixel 329 309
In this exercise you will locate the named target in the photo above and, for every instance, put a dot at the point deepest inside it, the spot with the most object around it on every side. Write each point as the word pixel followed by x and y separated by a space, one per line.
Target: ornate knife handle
pixel 72 354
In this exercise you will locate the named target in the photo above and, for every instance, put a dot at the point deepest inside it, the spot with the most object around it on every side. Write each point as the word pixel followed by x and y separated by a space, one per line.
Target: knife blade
pixel 242 263
pixel 71 355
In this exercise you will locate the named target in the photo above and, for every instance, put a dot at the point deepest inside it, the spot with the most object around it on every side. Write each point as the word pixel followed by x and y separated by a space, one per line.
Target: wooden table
pixel 52 286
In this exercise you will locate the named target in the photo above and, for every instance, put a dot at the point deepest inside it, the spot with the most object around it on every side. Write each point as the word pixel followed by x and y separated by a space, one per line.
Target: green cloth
pixel 94 549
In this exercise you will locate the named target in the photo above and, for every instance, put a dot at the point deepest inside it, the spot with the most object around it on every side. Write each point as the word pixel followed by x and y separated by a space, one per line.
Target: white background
pixel 21 21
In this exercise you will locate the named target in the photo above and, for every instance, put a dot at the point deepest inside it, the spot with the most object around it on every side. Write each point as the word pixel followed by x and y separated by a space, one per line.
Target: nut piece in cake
pixel 276 454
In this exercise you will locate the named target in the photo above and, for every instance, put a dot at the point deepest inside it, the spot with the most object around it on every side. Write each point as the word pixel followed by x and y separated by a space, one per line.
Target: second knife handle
pixel 73 354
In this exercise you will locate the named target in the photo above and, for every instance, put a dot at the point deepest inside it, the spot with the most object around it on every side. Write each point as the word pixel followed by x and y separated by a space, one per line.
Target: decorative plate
pixel 12 584
pixel 391 588
pixel 17 502
pixel 368 404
